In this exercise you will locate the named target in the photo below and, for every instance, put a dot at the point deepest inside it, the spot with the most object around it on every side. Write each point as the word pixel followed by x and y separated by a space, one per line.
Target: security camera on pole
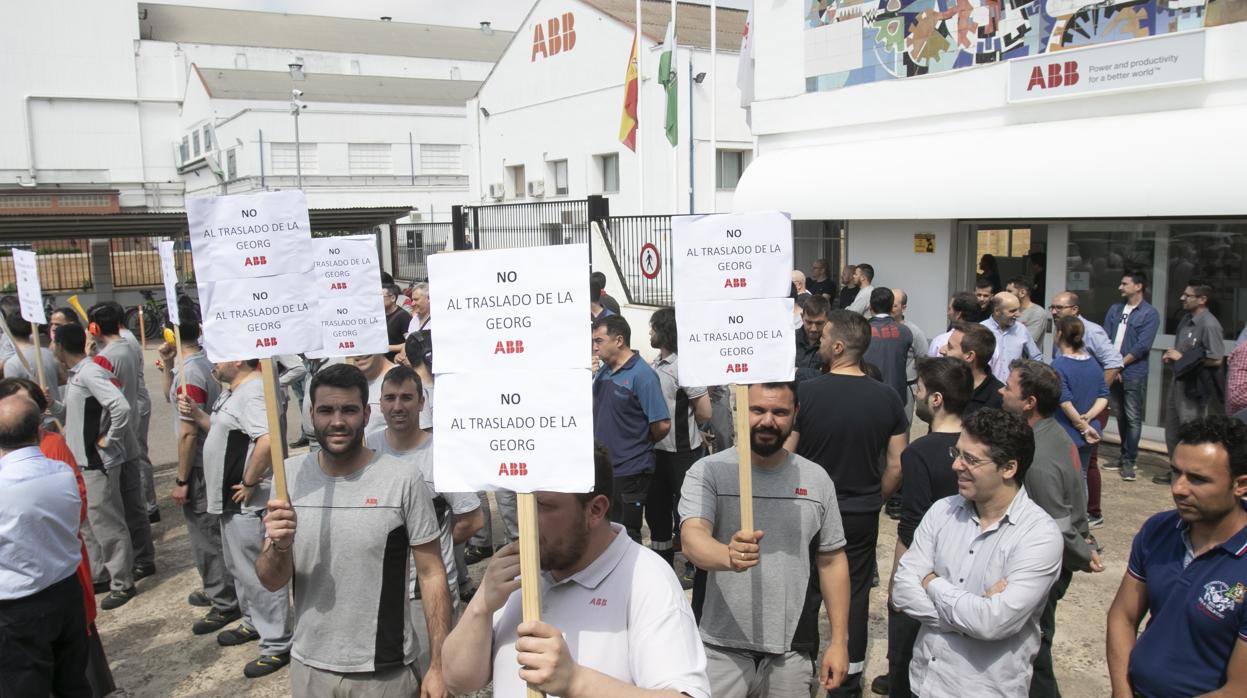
pixel 297 105
pixel 732 274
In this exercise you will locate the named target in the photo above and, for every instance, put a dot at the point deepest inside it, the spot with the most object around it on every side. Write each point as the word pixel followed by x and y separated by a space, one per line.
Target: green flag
pixel 666 78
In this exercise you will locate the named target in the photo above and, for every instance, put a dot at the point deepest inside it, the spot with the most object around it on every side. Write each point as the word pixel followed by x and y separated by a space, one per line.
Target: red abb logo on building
pixel 1057 75
pixel 557 37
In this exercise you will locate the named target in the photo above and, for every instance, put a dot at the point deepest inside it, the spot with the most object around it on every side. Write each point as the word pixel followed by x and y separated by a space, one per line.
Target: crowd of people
pixel 360 580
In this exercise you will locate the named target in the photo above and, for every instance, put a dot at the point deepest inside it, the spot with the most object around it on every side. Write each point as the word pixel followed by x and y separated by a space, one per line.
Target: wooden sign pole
pixel 177 343
pixel 530 564
pixel 142 331
pixel 744 454
pixel 276 442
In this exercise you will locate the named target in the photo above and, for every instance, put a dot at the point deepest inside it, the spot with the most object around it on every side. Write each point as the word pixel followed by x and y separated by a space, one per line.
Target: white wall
pixel 888 246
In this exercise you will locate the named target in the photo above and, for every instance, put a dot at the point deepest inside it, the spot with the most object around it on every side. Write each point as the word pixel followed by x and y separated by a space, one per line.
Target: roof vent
pixel 386 18
pixel 487 28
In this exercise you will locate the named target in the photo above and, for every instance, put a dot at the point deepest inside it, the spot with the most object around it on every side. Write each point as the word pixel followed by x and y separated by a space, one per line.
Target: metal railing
pixel 641 248
pixel 64 265
pixel 533 224
pixel 135 261
pixel 412 245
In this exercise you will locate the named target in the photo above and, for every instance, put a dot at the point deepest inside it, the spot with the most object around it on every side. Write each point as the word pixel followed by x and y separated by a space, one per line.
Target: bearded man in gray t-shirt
pixel 361 515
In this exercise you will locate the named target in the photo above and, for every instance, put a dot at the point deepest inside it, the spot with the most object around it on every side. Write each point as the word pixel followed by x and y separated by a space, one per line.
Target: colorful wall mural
pixel 853 42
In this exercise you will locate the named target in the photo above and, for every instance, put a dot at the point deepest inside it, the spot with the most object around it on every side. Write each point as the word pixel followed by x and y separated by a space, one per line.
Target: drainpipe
pixel 262 160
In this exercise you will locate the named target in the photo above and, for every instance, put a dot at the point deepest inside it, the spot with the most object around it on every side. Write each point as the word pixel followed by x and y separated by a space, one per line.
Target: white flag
pixel 744 68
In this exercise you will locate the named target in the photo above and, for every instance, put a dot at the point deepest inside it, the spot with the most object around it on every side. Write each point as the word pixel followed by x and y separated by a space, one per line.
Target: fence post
pixel 599 207
pixel 458 232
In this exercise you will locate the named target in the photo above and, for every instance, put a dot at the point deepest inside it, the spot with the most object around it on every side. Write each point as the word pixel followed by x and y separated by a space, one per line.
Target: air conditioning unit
pixel 497 192
pixel 537 188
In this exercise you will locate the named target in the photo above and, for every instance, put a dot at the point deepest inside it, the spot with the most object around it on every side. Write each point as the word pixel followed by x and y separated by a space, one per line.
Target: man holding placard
pixel 361 515
pixel 623 605
pixel 14 367
pixel 761 626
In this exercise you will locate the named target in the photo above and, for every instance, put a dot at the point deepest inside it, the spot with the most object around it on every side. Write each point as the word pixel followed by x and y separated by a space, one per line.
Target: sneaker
pixel 214 621
pixel 265 664
pixel 117 599
pixel 101 587
pixel 303 441
pixel 1165 479
pixel 143 572
pixel 240 635
pixel 880 686
pixel 475 553
pixel 686 577
pixel 199 599
pixel 1095 521
pixel 1127 475
pixel 1115 465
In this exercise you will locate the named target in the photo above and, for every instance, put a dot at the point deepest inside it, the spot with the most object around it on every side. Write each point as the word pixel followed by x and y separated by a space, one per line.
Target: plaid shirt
pixel 1236 380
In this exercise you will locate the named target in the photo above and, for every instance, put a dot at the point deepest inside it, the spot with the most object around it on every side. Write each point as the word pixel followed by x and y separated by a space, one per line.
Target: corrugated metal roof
pixel 227 83
pixel 692 22
pixel 204 25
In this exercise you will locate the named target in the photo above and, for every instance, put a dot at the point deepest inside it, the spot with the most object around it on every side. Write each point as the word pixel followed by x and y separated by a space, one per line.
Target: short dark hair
pixel 1007 436
pixel 343 376
pixel 1202 288
pixel 599 277
pixel 1040 381
pixel 816 305
pixel 951 378
pixel 881 300
pixel 401 374
pixel 1137 276
pixel 790 386
pixel 188 314
pixel 392 289
pixel 386 278
pixel 867 270
pixel 852 329
pixel 1226 432
pixel 72 338
pixel 18 324
pixel 10 386
pixel 416 348
pixel 596 286
pixel 965 303
pixel 984 282
pixel 106 316
pixel 603 476
pixel 978 339
pixel 71 315
pixel 22 432
pixel 663 324
pixel 1070 330
pixel 1021 283
pixel 615 326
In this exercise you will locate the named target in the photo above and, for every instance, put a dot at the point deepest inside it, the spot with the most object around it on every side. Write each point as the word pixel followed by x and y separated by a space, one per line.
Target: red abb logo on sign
pixel 738 282
pixel 346 345
pixel 255 261
pixel 266 342
pixel 512 468
pixel 737 368
pixel 1057 75
pixel 337 286
pixel 557 38
pixel 510 347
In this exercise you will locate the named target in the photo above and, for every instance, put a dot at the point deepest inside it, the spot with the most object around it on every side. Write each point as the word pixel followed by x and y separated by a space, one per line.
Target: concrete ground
pixel 153 653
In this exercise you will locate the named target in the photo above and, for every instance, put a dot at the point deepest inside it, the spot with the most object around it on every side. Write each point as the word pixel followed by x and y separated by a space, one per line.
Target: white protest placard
pixel 29 291
pixel 514 430
pixel 517 309
pixel 739 342
pixel 260 318
pixel 731 256
pixel 249 235
pixel 347 277
pixel 168 272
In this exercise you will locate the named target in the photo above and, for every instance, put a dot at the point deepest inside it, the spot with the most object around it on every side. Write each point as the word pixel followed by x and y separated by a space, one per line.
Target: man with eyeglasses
pixel 1132 326
pixel 1198 350
pixel 980 591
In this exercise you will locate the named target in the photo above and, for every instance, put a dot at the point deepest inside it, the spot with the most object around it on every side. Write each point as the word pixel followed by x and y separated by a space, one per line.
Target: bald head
pixel 899 301
pixel 1005 309
pixel 798 280
pixel 1065 304
pixel 19 422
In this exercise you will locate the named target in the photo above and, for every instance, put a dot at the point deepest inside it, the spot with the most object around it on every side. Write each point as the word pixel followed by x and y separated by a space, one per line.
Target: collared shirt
pixel 937 344
pixel 94 407
pixel 40 512
pixel 1013 343
pixel 1098 345
pixel 684 435
pixel 1198 608
pixel 1036 321
pixel 625 403
pixel 1133 330
pixel 623 615
pixel 986 394
pixel 971 645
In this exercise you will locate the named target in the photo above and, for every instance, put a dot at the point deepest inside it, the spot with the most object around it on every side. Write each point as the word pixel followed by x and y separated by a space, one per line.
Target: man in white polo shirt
pixel 621 604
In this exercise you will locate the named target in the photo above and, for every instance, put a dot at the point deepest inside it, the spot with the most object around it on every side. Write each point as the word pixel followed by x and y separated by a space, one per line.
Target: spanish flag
pixel 627 122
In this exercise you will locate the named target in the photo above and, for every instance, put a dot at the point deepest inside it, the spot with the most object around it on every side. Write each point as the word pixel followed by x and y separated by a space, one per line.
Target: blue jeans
pixel 1126 400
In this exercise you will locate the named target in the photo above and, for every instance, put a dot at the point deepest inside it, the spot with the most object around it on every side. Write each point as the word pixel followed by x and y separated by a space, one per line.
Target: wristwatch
pixel 180 483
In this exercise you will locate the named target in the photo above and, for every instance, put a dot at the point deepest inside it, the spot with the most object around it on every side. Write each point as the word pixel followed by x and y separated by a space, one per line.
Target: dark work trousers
pixel 1043 680
pixel 1093 469
pixel 628 502
pixel 861 534
pixel 902 633
pixel 43 643
pixel 661 506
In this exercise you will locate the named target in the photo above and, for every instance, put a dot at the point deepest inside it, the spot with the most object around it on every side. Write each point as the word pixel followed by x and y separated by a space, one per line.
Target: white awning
pixel 1160 164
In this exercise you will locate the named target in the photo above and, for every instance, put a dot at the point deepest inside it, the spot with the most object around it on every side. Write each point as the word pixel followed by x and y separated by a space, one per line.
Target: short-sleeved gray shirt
pixel 684 434
pixel 239 418
pixel 13 368
pixel 765 609
pixel 421 459
pixel 1204 331
pixel 351 559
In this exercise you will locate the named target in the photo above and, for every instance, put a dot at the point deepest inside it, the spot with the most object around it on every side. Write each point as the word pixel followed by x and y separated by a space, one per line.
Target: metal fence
pixel 412 245
pixel 64 265
pixel 641 248
pixel 534 224
pixel 135 261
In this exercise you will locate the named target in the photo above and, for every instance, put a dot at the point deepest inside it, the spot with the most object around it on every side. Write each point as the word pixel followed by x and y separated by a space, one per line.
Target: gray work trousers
pixel 204 531
pixel 310 682
pixel 135 507
pixel 1181 409
pixel 484 538
pixel 106 536
pixel 145 463
pixel 266 612
pixel 741 674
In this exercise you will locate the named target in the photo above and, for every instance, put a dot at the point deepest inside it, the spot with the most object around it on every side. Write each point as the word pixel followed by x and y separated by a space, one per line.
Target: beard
pixel 763 448
pixel 923 411
pixel 356 442
pixel 573 545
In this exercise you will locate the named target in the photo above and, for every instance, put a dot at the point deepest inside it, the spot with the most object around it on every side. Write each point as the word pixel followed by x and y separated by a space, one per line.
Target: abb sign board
pixel 554 36
pixel 347 275
pixel 1125 65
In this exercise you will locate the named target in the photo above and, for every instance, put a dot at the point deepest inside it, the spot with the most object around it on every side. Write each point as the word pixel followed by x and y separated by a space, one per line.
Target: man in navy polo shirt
pixel 1187 569
pixel 629 416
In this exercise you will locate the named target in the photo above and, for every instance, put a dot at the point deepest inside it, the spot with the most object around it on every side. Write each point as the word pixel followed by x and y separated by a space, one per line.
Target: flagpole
pixel 675 150
pixel 714 101
pixel 640 82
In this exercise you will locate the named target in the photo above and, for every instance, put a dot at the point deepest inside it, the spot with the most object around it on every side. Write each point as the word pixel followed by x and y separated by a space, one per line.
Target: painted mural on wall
pixel 852 42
